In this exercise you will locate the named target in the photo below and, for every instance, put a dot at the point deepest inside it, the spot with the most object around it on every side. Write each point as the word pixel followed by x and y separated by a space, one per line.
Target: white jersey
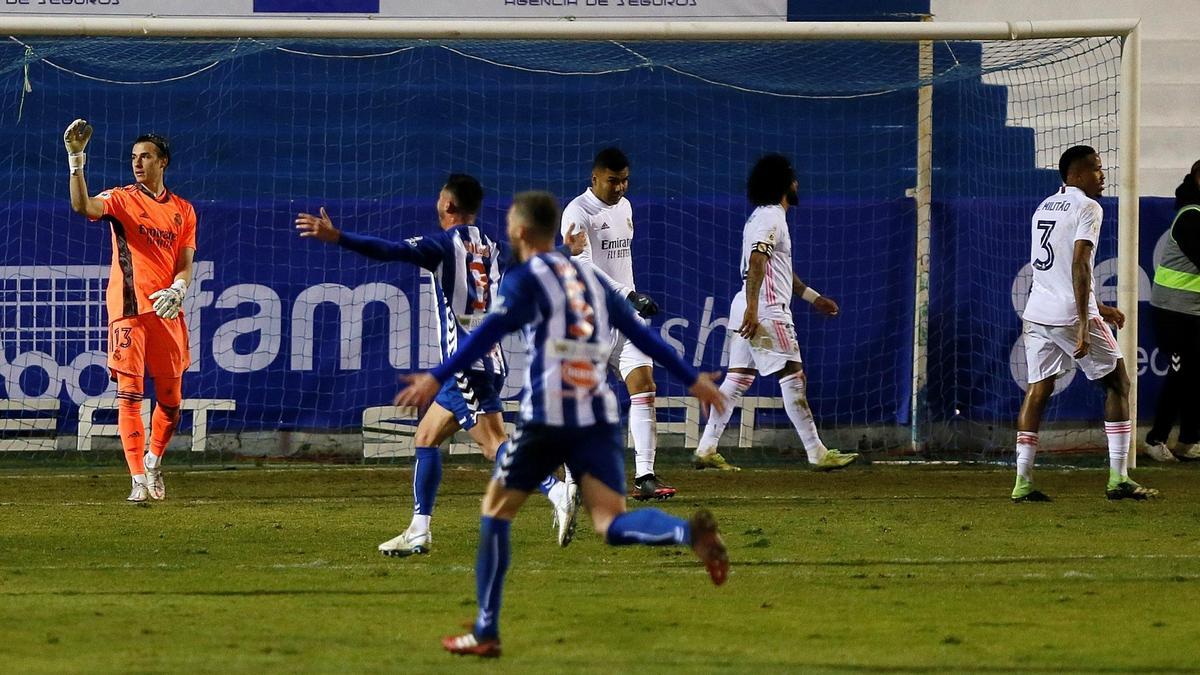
pixel 609 230
pixel 1061 220
pixel 767 232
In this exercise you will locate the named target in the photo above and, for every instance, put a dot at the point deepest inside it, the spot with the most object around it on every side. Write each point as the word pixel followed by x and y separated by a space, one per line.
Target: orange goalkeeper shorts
pixel 148 344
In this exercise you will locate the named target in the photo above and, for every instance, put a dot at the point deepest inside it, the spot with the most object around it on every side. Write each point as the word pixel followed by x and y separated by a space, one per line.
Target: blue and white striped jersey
pixel 568 316
pixel 466 267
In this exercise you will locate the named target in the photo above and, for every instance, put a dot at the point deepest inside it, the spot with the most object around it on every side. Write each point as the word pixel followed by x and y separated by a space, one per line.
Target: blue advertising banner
pixel 307 336
pixel 318 6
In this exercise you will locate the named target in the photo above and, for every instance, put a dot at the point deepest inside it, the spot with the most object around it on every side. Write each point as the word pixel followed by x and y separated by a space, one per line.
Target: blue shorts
pixel 537 451
pixel 471 394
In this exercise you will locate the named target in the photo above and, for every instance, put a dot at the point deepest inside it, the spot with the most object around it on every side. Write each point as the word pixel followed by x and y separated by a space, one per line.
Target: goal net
pixel 291 335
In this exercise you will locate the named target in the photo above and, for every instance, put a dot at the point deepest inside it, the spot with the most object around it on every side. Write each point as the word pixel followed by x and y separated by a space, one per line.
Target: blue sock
pixel 545 486
pixel 650 527
pixel 491 564
pixel 427 475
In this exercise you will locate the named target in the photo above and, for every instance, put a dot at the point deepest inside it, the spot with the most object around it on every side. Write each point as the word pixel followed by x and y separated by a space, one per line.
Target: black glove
pixel 644 305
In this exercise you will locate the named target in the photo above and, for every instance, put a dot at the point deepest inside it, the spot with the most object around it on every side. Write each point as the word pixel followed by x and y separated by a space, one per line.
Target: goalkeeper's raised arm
pixel 76 138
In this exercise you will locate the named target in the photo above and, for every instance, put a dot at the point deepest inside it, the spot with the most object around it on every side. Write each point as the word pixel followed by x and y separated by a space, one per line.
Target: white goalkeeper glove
pixel 76 138
pixel 169 301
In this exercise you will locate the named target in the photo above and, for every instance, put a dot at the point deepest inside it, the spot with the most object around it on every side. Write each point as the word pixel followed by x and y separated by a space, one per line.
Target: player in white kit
pixel 1065 326
pixel 605 215
pixel 764 340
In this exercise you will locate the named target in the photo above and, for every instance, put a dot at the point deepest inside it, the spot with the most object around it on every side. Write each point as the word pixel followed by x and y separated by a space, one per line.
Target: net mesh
pixel 301 336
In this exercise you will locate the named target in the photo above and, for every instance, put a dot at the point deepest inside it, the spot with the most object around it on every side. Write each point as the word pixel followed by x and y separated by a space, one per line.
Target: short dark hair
pixel 466 191
pixel 159 141
pixel 612 159
pixel 770 180
pixel 1073 154
pixel 1188 191
pixel 539 210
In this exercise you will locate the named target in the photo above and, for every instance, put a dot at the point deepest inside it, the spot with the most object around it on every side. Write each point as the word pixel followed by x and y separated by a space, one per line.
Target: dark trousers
pixel 1178 343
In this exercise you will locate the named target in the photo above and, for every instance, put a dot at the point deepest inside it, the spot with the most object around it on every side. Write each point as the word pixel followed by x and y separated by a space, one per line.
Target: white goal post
pixel 1125 30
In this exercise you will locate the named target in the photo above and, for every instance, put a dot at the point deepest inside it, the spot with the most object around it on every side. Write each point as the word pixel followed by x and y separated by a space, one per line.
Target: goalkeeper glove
pixel 169 301
pixel 75 139
pixel 645 306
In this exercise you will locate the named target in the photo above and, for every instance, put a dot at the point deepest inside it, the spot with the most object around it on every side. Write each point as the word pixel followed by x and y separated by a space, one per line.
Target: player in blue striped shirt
pixel 568 413
pixel 466 266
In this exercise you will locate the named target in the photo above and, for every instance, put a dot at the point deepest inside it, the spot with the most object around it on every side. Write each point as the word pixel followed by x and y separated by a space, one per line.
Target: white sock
pixel 419 524
pixel 557 493
pixel 140 479
pixel 797 410
pixel 645 432
pixel 734 386
pixel 1027 446
pixel 151 460
pixel 567 477
pixel 1118 446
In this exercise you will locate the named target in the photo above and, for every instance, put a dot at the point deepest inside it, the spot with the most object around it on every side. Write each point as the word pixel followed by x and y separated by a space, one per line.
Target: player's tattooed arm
pixel 754 280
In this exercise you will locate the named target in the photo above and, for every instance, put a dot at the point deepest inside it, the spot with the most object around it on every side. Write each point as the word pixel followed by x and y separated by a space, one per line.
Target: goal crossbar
pixel 547 30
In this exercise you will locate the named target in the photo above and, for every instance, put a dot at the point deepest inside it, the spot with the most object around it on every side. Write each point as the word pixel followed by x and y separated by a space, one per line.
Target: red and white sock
pixel 1118 446
pixel 733 388
pixel 796 405
pixel 1027 447
pixel 644 430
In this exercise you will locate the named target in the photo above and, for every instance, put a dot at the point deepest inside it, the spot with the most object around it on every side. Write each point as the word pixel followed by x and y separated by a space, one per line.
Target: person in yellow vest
pixel 1176 306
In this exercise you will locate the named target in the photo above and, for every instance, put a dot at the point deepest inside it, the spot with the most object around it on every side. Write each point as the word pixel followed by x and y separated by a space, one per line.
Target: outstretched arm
pixel 321 228
pixel 513 308
pixel 76 138
pixel 422 387
pixel 699 384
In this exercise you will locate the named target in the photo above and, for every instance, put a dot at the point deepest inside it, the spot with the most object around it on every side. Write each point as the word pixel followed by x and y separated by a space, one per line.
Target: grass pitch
pixel 878 569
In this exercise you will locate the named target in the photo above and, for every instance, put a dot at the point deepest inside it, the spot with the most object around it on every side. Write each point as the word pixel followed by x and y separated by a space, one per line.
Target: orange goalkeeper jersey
pixel 148 236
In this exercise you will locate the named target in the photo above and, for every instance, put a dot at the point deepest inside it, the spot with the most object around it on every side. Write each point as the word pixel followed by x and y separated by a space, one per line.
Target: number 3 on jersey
pixel 1047 260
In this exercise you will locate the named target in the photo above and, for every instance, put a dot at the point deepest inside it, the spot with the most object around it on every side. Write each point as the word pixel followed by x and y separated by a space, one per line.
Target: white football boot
pixel 1159 452
pixel 154 484
pixel 406 544
pixel 139 494
pixel 566 509
pixel 1188 451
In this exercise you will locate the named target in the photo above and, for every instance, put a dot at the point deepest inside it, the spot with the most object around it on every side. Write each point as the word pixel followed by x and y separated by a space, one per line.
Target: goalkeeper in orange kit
pixel 154 241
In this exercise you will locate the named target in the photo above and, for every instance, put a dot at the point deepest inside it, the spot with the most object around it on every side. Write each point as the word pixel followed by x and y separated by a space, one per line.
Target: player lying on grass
pixel 1065 325
pixel 154 240
pixel 466 266
pixel 765 338
pixel 569 414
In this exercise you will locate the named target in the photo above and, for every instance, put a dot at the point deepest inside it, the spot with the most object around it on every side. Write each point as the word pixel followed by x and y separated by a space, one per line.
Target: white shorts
pixel 773 346
pixel 625 356
pixel 1049 350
